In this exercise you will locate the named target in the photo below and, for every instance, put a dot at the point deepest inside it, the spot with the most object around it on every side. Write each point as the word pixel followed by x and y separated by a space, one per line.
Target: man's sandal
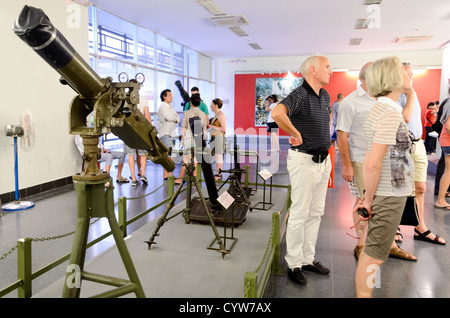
pixel 397 252
pixel 423 237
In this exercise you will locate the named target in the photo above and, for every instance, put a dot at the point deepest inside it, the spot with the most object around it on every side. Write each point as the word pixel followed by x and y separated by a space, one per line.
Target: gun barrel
pixel 183 92
pixel 34 28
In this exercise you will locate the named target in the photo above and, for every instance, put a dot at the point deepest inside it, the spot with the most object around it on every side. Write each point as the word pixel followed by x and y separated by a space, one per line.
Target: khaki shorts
pixel 358 175
pixel 420 162
pixel 386 215
pixel 131 152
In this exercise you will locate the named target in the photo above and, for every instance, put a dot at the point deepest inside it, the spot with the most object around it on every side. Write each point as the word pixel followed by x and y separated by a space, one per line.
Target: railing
pixel 254 286
pixel 253 289
pixel 25 275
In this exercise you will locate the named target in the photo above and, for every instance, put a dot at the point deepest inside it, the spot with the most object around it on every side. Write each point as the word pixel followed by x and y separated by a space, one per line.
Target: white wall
pixel 445 74
pixel 226 69
pixel 28 82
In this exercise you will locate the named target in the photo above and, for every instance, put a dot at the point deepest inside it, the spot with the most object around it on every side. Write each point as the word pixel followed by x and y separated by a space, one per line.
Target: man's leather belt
pixel 309 152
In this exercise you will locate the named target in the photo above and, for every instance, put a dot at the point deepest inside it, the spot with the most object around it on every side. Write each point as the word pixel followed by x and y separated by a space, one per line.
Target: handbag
pixel 437 126
pixel 410 215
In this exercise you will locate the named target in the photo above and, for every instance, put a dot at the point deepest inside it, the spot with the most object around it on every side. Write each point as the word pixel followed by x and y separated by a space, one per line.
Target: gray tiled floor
pixel 428 277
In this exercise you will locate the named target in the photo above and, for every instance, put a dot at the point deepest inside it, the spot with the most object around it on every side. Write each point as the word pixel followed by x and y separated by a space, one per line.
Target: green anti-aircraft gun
pixel 114 108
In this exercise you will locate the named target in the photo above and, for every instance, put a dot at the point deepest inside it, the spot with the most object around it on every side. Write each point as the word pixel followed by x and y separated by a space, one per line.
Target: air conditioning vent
pixel 255 46
pixel 361 24
pixel 409 39
pixel 238 31
pixel 355 41
pixel 211 6
pixel 228 21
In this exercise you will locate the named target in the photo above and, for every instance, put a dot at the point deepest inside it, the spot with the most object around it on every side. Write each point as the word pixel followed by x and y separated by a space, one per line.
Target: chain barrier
pixel 145 195
pixel 269 244
pixel 55 237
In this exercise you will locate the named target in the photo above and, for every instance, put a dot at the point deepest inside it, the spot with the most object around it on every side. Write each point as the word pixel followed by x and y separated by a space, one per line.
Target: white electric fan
pixel 26 133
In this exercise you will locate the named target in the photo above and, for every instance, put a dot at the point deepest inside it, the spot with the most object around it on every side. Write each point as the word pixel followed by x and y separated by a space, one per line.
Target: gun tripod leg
pixel 223 250
pixel 163 217
pixel 94 201
pixel 190 179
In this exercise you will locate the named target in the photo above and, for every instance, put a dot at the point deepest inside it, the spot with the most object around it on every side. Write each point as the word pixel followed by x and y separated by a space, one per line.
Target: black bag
pixel 319 155
pixel 410 215
pixel 437 126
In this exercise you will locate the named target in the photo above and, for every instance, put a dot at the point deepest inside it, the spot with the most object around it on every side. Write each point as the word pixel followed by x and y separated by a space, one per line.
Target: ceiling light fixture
pixel 228 21
pixel 361 24
pixel 211 6
pixel 238 31
pixel 255 46
pixel 408 39
pixel 355 41
pixel 370 2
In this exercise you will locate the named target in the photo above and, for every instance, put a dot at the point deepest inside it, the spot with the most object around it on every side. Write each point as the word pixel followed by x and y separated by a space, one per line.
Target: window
pixel 108 67
pixel 192 63
pixel 118 46
pixel 163 53
pixel 178 59
pixel 146 47
pixel 115 36
pixel 93 62
pixel 164 81
pixel 148 88
pixel 192 83
pixel 205 92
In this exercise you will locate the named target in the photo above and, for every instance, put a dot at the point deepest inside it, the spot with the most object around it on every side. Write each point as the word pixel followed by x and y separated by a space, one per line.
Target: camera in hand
pixel 363 212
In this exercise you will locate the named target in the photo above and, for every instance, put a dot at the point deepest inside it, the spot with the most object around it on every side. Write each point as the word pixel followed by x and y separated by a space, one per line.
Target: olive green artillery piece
pixel 114 108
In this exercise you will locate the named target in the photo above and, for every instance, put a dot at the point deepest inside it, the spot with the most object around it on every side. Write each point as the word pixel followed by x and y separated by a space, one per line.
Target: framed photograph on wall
pixel 280 86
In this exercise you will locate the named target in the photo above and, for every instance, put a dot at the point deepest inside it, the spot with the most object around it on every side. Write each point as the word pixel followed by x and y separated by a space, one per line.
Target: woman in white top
pixel 168 120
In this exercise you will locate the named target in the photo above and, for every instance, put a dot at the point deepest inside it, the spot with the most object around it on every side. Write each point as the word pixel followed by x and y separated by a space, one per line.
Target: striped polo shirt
pixel 385 125
pixel 310 115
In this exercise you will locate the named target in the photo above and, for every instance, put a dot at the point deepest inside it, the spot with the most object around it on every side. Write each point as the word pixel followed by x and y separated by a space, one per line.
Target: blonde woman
pixel 388 168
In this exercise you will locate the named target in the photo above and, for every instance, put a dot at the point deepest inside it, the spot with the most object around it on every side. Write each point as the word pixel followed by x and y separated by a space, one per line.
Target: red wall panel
pixel 426 85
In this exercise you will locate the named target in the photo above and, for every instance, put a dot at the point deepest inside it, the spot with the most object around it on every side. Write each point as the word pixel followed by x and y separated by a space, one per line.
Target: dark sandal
pixel 122 180
pixel 397 252
pixel 399 234
pixel 423 237
pixel 218 176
